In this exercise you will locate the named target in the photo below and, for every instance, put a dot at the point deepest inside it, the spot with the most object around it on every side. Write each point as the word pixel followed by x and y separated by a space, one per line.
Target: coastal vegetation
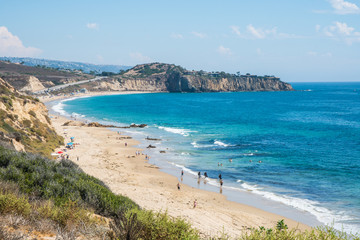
pixel 58 197
pixel 37 188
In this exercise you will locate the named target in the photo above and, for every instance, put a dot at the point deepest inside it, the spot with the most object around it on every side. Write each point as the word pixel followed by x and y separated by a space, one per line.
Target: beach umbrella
pixel 60 152
pixel 55 154
pixel 72 138
pixel 70 143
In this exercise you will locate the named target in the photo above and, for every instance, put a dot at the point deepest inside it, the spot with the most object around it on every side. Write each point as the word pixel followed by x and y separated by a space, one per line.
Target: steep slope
pixel 172 78
pixel 24 123
pixel 25 78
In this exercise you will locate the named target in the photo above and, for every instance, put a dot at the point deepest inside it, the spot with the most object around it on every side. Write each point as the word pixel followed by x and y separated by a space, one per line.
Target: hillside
pixel 25 78
pixel 24 123
pixel 56 64
pixel 160 77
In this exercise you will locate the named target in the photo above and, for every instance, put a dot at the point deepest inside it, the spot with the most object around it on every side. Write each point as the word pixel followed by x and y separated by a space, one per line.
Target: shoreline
pixel 106 158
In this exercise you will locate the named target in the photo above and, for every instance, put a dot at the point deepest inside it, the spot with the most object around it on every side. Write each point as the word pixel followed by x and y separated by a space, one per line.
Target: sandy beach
pixel 103 154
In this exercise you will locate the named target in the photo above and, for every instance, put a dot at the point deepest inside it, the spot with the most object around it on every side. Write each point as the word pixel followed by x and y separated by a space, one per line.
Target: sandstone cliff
pixel 167 77
pixel 24 122
pixel 32 79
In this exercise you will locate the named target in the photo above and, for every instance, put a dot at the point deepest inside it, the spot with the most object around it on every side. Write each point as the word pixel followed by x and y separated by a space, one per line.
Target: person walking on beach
pixel 199 175
pixel 220 177
pixel 178 186
pixel 195 203
pixel 205 174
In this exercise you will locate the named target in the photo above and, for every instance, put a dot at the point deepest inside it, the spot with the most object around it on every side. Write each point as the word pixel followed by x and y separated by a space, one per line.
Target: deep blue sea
pixel 299 148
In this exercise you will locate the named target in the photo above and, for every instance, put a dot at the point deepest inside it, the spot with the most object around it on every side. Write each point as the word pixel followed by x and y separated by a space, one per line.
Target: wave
pixel 322 214
pixel 59 108
pixel 216 142
pixel 185 169
pixel 215 145
pixel 195 145
pixel 183 132
pixel 77 115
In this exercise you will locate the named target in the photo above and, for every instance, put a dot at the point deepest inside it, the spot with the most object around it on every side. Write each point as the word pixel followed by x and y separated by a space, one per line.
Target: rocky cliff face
pixel 171 78
pixel 24 122
pixel 32 79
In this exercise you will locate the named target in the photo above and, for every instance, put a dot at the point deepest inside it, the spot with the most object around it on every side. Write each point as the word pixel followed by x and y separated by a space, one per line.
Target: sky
pixel 296 40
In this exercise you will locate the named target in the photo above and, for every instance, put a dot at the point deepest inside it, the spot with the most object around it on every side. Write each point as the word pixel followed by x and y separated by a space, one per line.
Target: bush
pixel 282 233
pixel 32 113
pixel 10 203
pixel 61 181
pixel 162 226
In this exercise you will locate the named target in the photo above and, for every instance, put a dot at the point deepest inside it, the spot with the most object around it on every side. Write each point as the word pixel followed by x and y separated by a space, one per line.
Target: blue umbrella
pixel 70 143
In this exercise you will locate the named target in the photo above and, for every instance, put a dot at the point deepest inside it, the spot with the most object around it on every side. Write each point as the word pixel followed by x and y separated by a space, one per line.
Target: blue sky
pixel 307 40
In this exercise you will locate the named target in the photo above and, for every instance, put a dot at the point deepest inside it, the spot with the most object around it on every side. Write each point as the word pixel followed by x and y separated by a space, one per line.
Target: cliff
pixel 24 122
pixel 171 78
pixel 31 79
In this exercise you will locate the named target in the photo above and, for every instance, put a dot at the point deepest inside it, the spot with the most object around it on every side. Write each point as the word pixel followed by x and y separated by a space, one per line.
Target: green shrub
pixel 26 123
pixel 61 181
pixel 32 113
pixel 282 233
pixel 163 226
pixel 10 203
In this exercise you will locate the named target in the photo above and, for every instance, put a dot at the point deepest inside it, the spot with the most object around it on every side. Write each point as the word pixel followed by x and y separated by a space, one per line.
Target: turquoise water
pixel 308 142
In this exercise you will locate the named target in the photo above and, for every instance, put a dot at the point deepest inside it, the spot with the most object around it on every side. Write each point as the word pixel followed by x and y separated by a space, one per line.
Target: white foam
pixel 77 115
pixel 184 168
pixel 59 108
pixel 184 132
pixel 248 154
pixel 185 153
pixel 322 214
pixel 195 145
pixel 216 142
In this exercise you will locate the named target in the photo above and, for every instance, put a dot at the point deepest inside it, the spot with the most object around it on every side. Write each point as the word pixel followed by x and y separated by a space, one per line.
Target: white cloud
pixel 12 46
pixel 199 35
pixel 236 30
pixel 343 7
pixel 342 28
pixel 341 31
pixel 177 36
pixel 257 33
pixel 140 58
pixel 93 26
pixel 224 51
pixel 317 27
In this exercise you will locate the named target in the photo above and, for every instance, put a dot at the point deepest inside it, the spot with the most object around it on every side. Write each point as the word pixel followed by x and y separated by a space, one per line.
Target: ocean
pixel 296 150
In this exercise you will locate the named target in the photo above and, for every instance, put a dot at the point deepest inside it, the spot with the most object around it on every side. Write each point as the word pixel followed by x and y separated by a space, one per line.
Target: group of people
pixel 199 177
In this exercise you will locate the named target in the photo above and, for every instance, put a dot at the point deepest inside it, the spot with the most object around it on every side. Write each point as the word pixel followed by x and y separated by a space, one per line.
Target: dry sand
pixel 103 155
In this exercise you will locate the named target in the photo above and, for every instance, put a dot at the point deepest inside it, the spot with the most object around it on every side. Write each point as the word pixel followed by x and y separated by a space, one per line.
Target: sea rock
pixel 133 125
pixel 150 146
pixel 152 139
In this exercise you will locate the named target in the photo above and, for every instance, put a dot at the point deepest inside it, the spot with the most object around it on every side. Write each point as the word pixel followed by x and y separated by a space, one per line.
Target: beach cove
pixel 102 153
